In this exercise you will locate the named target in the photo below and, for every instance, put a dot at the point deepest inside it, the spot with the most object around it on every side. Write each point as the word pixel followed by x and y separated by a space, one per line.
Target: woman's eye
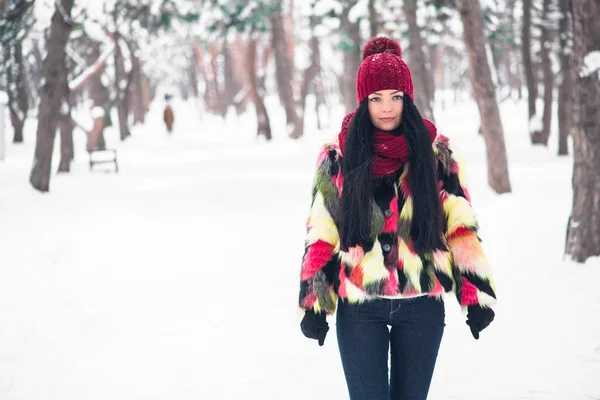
pixel 375 99
pixel 398 97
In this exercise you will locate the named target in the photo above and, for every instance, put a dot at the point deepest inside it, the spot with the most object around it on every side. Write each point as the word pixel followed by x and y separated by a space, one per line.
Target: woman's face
pixel 385 109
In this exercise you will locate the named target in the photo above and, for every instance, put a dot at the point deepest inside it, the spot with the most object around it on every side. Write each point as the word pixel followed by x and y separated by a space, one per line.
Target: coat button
pixel 386 247
pixel 388 213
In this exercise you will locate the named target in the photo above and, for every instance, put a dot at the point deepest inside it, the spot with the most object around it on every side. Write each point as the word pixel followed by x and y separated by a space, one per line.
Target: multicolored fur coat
pixel 391 267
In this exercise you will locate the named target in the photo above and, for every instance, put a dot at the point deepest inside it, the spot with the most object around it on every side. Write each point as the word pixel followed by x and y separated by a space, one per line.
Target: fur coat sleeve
pixel 320 263
pixel 470 267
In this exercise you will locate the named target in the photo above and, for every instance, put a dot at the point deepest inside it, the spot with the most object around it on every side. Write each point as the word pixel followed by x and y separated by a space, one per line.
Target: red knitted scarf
pixel 390 151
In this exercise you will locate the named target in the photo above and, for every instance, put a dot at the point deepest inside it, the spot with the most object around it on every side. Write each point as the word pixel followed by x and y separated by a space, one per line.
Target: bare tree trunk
pixel 530 78
pixel 135 91
pixel 583 231
pixel 289 24
pixel 310 73
pixel 497 59
pixel 120 86
pixel 511 56
pixel 351 47
pixel 262 117
pixel 204 74
pixel 520 74
pixel 36 73
pixel 213 96
pixel 16 81
pixel 230 83
pixel 373 26
pixel 193 74
pixel 513 77
pixel 545 41
pixel 440 69
pixel 320 105
pixel 565 90
pixel 53 93
pixel 96 94
pixel 65 126
pixel 22 89
pixel 17 89
pixel 220 102
pixel 147 93
pixel 17 124
pixel 240 71
pixel 417 61
pixel 430 74
pixel 491 125
pixel 284 71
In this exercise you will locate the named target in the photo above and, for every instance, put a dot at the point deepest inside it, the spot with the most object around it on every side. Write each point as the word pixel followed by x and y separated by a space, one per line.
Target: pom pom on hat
pixel 381 45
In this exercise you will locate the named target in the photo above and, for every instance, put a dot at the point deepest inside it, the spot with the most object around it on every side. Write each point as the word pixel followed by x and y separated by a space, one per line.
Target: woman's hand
pixel 478 318
pixel 314 326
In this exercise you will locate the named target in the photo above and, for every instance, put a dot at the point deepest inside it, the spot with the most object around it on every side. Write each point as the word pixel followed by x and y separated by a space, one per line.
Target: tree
pixel 18 90
pixel 122 82
pixel 251 20
pixel 565 89
pixel 548 29
pixel 373 24
pixel 262 117
pixel 97 93
pixel 417 61
pixel 491 125
pixel 530 76
pixel 583 230
pixel 284 71
pixel 312 73
pixel 65 127
pixel 350 43
pixel 53 94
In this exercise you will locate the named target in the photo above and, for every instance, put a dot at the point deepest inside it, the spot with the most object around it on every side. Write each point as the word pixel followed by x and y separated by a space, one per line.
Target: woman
pixel 391 229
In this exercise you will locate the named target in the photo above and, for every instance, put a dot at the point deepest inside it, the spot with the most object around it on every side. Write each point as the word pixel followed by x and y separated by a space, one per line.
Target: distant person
pixel 391 230
pixel 168 115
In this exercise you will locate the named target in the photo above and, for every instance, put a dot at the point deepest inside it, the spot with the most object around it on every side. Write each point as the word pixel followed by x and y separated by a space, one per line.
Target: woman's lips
pixel 387 119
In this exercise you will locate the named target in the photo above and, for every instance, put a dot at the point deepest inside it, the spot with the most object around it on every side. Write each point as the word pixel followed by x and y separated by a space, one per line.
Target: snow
pixel 95 11
pixel 42 11
pixel 94 30
pixel 97 112
pixel 536 123
pixel 591 64
pixel 178 277
pixel 358 11
pixel 3 97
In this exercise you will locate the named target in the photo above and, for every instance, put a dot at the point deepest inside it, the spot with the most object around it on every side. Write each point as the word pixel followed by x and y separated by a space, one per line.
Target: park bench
pixel 103 156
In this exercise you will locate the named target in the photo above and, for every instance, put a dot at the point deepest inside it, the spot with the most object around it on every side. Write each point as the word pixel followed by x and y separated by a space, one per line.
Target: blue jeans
pixel 364 339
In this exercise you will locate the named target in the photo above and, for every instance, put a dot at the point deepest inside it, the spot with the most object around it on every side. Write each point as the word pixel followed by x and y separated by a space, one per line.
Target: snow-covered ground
pixel 178 277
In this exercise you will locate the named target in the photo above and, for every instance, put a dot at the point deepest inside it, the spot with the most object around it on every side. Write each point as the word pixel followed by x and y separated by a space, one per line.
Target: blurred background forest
pixel 87 65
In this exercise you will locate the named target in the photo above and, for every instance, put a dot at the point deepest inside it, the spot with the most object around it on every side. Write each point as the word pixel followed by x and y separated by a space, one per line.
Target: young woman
pixel 391 229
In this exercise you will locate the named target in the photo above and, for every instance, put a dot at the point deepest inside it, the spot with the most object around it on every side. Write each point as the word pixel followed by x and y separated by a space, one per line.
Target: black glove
pixel 478 318
pixel 314 326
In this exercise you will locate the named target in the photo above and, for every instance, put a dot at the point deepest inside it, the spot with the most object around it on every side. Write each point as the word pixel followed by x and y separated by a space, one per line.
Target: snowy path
pixel 177 279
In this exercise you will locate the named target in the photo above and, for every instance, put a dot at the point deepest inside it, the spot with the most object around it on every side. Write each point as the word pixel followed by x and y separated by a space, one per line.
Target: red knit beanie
pixel 382 68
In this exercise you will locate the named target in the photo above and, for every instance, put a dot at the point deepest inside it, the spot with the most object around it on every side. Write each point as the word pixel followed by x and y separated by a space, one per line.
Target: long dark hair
pixel 357 192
